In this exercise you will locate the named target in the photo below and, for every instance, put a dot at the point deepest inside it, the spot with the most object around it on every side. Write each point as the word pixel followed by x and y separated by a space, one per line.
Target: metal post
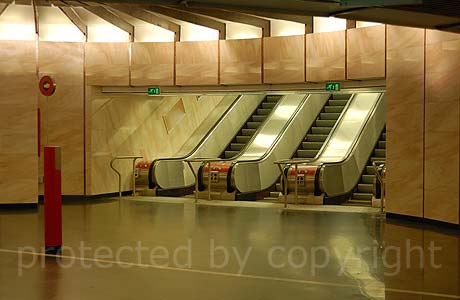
pixel 196 180
pixel 209 181
pixel 296 188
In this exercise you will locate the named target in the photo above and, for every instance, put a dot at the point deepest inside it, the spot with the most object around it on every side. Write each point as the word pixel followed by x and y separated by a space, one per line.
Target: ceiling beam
pixel 42 2
pixel 23 2
pixel 58 3
pixel 236 17
pixel 149 17
pixel 191 18
pixel 281 16
pixel 113 19
pixel 3 7
pixel 75 19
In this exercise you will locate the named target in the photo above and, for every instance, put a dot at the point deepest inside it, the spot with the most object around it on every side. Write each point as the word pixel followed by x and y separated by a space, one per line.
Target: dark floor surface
pixel 147 250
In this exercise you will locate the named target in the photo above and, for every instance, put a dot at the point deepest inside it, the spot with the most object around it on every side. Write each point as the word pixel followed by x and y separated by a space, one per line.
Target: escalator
pixel 250 127
pixel 335 171
pixel 363 192
pixel 316 135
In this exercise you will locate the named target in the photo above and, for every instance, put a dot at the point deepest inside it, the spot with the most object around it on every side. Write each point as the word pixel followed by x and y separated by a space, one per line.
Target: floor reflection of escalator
pixel 251 126
pixel 317 134
pixel 363 192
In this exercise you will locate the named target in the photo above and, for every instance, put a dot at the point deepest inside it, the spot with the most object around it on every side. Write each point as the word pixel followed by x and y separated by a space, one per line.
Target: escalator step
pixel 248 131
pixel 243 139
pixel 274 194
pixel 230 154
pixel 367 179
pixel 333 109
pixel 321 130
pixel 278 187
pixel 365 188
pixel 341 96
pixel 362 196
pixel 370 170
pixel 311 145
pixel 329 116
pixel 382 144
pixel 258 118
pixel 383 137
pixel 325 123
pixel 316 137
pixel 377 159
pixel 263 111
pixel 337 102
pixel 269 105
pixel 253 125
pixel 306 153
pixel 379 152
pixel 237 146
pixel 272 98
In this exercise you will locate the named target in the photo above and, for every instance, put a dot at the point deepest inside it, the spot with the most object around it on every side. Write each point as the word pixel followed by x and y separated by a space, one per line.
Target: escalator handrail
pixel 197 146
pixel 326 141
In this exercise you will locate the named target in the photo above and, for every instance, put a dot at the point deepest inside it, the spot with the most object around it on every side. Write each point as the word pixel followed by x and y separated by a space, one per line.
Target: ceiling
pixel 436 14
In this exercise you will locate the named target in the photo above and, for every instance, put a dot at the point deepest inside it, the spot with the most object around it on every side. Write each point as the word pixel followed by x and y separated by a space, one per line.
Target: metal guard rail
pixel 134 158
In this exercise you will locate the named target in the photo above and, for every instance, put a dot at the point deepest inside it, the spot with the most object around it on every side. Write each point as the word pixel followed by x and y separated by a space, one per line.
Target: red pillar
pixel 53 200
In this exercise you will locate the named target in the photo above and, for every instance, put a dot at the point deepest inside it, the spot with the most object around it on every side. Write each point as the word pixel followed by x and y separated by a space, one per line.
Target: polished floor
pixel 174 249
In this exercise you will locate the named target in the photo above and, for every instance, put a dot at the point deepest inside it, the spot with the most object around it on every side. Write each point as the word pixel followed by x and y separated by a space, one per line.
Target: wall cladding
pixel 284 59
pixel 18 122
pixel 62 113
pixel 107 64
pixel 325 56
pixel 197 63
pixel 366 52
pixel 241 61
pixel 405 119
pixel 152 64
pixel 442 126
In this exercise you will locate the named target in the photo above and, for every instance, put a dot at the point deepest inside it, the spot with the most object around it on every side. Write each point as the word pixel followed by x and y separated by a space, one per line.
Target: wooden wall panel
pixel 366 52
pixel 62 113
pixel 241 61
pixel 442 126
pixel 284 59
pixel 125 125
pixel 405 120
pixel 325 56
pixel 197 63
pixel 107 64
pixel 18 122
pixel 152 64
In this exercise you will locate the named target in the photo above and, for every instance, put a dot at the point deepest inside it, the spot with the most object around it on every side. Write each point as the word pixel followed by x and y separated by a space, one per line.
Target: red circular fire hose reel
pixel 47 86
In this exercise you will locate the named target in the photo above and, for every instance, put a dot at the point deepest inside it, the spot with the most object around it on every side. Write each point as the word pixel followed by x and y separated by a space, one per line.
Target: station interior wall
pixel 421 68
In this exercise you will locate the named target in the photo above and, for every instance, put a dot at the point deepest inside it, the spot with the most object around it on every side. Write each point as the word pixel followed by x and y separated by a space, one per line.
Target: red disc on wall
pixel 47 86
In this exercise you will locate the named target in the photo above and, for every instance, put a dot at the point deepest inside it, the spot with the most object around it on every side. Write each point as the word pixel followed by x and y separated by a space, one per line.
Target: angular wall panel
pixel 366 52
pixel 284 59
pixel 152 64
pixel 325 56
pixel 442 126
pixel 18 122
pixel 405 120
pixel 197 63
pixel 241 61
pixel 107 64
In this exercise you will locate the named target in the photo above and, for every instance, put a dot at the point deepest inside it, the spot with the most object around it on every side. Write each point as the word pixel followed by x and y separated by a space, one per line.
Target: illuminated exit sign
pixel 153 91
pixel 333 86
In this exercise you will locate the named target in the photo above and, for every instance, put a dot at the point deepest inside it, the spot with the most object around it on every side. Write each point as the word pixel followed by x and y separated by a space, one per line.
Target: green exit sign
pixel 153 91
pixel 333 86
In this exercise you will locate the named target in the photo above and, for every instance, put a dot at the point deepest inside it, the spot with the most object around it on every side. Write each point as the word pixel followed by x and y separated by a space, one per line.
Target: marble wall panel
pixel 18 122
pixel 405 120
pixel 325 56
pixel 107 64
pixel 62 118
pixel 152 64
pixel 241 61
pixel 133 125
pixel 197 63
pixel 366 52
pixel 442 126
pixel 284 59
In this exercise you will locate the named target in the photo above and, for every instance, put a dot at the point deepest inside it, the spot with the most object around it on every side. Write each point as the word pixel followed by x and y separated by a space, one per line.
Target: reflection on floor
pixel 175 249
